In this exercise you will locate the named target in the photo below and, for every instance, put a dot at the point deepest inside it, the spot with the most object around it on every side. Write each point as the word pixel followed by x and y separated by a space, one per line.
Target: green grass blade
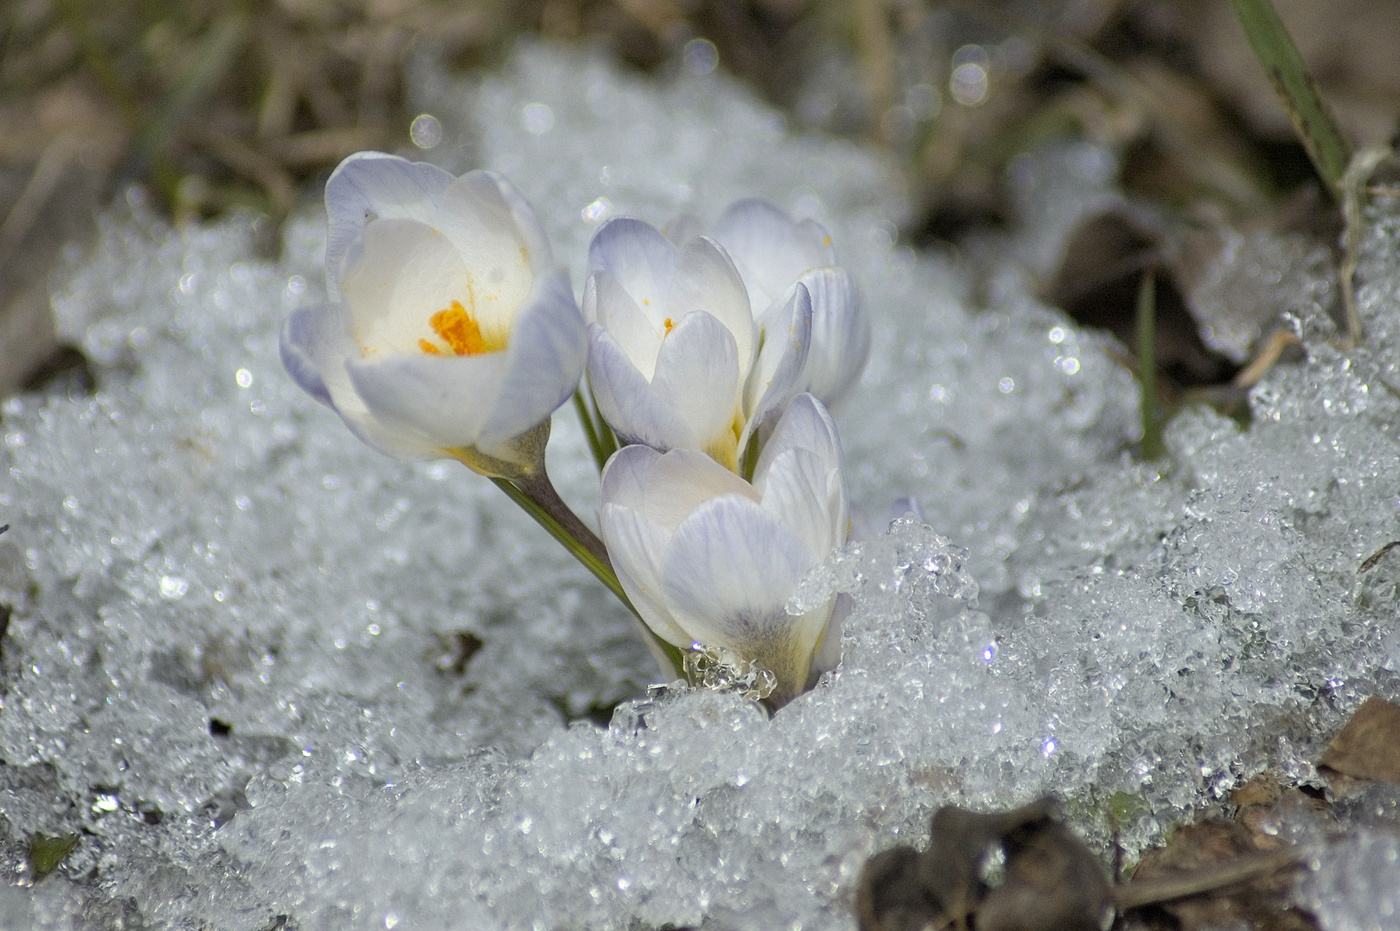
pixel 1317 128
pixel 216 55
pixel 1152 445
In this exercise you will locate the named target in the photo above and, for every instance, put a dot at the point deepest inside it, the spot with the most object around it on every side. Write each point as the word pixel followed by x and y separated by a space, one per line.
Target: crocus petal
pixel 682 480
pixel 787 341
pixel 728 574
pixel 828 653
pixel 769 249
pixel 444 298
pixel 304 334
pixel 396 276
pixel 374 185
pixel 494 204
pixel 636 546
pixel 501 242
pixel 840 334
pixel 607 303
pixel 315 343
pixel 697 371
pixel 807 425
pixel 706 280
pixel 626 474
pixel 626 399
pixel 544 362
pixel 638 256
pixel 796 492
pixel 446 398
pixel 645 496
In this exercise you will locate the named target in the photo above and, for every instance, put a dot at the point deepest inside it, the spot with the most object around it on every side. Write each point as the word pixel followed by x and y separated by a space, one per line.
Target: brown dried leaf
pixel 1368 747
pixel 1051 880
pixel 1053 883
pixel 1260 902
pixel 891 897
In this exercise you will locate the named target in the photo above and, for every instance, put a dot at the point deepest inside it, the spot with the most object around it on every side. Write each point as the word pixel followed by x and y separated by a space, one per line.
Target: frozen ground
pixel 235 663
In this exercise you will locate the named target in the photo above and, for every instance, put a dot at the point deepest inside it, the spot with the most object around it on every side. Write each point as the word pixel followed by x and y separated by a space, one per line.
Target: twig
pixel 1248 376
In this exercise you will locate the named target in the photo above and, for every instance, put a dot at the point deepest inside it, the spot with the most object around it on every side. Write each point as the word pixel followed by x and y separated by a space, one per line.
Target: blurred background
pixel 213 106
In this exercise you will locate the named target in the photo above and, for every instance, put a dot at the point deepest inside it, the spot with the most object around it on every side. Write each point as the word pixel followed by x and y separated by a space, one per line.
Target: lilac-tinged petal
pixel 637 255
pixel 544 362
pixel 626 399
pixel 728 575
pixel 390 439
pixel 446 399
pixel 840 334
pixel 815 242
pixel 315 345
pixel 787 341
pixel 707 280
pixel 497 200
pixel 626 474
pixel 684 228
pixel 681 481
pixel 645 496
pixel 769 249
pixel 636 547
pixel 501 244
pixel 828 653
pixel 697 371
pixel 805 424
pixel 304 336
pixel 373 185
pixel 795 492
pixel 607 303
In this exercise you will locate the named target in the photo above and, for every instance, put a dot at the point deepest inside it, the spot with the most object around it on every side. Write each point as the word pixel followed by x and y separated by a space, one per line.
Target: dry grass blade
pixel 1354 182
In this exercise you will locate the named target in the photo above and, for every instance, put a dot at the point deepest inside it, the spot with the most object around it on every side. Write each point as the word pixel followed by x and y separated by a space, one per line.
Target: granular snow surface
pixel 273 679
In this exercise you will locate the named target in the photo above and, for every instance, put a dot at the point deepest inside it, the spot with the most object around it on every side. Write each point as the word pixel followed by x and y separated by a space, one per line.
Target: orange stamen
pixel 670 324
pixel 455 327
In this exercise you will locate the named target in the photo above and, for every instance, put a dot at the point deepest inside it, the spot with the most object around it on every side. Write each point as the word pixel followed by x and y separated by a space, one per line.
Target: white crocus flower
pixel 674 352
pixel 774 255
pixel 711 560
pixel 450 332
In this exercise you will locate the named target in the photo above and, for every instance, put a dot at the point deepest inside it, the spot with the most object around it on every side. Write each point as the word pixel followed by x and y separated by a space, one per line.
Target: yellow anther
pixel 456 327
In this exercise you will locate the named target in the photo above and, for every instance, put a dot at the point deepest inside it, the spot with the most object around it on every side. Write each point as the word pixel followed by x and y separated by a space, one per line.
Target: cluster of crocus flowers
pixel 450 333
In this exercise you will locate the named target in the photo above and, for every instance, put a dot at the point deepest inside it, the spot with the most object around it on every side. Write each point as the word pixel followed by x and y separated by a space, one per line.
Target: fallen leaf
pixel 1368 747
pixel 1238 885
pixel 1021 870
pixel 46 852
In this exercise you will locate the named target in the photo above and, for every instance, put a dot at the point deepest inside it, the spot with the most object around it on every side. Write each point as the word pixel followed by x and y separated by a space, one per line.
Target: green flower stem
pixel 749 463
pixel 1317 129
pixel 607 440
pixel 590 432
pixel 537 496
